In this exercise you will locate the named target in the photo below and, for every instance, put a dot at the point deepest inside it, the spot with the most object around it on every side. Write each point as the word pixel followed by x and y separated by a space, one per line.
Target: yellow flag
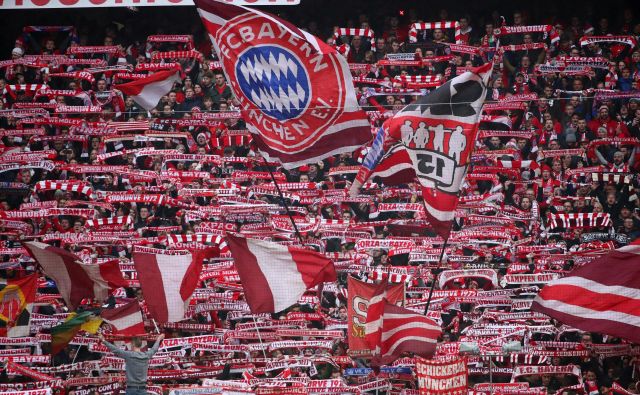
pixel 90 326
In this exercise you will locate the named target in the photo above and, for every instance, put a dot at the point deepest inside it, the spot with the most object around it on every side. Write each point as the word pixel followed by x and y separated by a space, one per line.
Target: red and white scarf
pixel 413 30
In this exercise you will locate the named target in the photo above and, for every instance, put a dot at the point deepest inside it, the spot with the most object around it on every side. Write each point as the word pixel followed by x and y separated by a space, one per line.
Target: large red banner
pixel 359 295
pixel 448 377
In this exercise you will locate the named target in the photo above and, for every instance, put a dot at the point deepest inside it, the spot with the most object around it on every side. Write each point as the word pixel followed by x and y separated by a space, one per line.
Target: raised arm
pixel 601 158
pixel 112 347
pixel 156 346
pixel 632 158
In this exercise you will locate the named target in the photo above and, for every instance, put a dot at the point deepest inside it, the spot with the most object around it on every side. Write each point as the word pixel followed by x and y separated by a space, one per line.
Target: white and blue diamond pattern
pixel 274 80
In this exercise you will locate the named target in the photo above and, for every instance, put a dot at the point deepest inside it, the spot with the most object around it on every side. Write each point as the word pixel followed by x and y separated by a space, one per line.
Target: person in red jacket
pixel 548 183
pixel 614 128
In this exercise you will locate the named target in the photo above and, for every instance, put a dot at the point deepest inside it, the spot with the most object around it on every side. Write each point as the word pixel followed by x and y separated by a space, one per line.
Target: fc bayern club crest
pixel 290 92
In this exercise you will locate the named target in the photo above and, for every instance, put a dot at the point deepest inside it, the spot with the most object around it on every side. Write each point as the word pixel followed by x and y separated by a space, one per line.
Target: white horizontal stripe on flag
pixel 339 127
pixel 373 326
pixel 398 342
pixel 279 269
pixel 632 249
pixel 386 334
pixel 597 287
pixel 127 321
pixel 581 312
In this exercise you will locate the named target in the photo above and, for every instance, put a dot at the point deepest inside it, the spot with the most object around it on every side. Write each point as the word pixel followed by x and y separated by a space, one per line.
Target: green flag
pixel 62 334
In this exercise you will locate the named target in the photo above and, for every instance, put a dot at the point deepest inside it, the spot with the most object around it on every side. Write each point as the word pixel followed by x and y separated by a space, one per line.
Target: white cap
pixel 17 51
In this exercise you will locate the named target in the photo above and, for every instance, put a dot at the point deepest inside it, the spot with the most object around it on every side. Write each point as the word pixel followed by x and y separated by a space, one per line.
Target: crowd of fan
pixel 558 192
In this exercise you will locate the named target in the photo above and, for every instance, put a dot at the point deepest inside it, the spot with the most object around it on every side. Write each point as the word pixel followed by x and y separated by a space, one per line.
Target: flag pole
pixel 264 353
pixel 433 282
pixel 284 203
pixel 76 356
pixel 156 326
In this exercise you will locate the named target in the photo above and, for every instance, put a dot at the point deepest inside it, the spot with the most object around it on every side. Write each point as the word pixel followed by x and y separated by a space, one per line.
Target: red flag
pixel 395 167
pixel 439 132
pixel 274 276
pixel 404 330
pixel 126 319
pixel 74 279
pixel 375 310
pixel 148 91
pixel 296 91
pixel 601 296
pixel 167 279
pixel 16 301
pixel 359 297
